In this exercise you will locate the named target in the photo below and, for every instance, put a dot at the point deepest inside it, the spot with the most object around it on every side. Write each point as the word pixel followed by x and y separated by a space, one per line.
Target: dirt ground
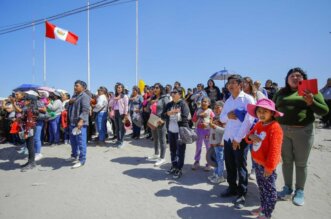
pixel 121 183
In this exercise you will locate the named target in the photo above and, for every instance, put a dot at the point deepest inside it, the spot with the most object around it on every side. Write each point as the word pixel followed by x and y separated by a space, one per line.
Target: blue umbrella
pixel 220 75
pixel 25 87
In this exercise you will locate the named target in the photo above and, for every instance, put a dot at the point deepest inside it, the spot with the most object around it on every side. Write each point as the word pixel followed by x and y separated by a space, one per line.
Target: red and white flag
pixel 54 32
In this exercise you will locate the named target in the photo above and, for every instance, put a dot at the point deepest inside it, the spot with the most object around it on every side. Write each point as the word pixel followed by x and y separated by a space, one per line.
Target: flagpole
pixel 88 47
pixel 33 53
pixel 137 41
pixel 45 60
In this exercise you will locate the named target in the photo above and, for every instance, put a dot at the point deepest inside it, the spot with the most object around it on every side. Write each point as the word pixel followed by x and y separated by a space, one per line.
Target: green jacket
pixel 295 109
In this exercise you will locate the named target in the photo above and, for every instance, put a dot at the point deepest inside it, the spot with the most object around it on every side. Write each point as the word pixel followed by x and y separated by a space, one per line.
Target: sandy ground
pixel 120 183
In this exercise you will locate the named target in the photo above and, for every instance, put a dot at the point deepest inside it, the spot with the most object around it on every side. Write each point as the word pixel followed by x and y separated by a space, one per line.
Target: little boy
pixel 216 141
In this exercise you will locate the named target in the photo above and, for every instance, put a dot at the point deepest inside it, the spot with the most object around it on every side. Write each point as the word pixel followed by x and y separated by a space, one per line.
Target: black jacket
pixel 184 111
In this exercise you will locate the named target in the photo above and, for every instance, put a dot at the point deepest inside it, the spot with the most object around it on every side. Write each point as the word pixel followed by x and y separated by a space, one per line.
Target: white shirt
pixel 234 129
pixel 102 104
pixel 173 123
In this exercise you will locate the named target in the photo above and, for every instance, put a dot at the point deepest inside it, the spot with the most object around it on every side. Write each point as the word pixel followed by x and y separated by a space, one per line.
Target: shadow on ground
pixel 131 160
pixel 10 155
pixel 54 162
pixel 206 204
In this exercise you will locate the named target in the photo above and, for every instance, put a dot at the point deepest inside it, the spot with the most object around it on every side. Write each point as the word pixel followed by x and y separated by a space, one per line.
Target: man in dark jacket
pixel 78 114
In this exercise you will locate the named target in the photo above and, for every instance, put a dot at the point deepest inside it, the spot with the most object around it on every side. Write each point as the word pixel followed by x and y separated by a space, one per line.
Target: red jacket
pixel 64 119
pixel 267 153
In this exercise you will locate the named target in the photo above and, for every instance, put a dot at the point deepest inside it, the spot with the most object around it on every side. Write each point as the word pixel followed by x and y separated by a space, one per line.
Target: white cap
pixel 32 92
pixel 43 93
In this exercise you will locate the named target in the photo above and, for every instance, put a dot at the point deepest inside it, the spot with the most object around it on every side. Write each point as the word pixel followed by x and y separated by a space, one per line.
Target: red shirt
pixel 64 119
pixel 267 153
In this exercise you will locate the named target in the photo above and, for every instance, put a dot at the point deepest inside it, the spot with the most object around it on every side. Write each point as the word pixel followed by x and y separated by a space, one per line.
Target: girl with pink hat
pixel 267 138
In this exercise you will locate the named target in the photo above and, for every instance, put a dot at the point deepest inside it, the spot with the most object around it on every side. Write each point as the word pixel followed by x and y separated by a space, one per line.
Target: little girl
pixel 202 118
pixel 267 138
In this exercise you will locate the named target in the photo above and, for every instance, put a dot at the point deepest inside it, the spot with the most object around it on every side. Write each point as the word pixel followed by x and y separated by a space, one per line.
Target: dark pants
pixel 120 130
pixel 135 129
pixel 30 145
pixel 236 163
pixel 113 127
pixel 177 151
pixel 327 118
pixel 145 116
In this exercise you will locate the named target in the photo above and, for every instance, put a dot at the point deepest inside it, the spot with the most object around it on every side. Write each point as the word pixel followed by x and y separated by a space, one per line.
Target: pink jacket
pixel 123 104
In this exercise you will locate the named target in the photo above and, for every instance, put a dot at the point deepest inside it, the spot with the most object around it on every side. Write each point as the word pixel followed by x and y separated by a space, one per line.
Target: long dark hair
pixel 287 87
pixel 162 90
pixel 211 80
pixel 123 89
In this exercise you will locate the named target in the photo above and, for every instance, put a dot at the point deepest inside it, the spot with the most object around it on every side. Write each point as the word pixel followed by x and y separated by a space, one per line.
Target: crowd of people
pixel 272 124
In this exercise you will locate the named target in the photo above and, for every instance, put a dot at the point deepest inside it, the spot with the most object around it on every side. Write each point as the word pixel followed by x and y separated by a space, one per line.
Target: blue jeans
pixel 54 130
pixel 66 134
pixel 79 143
pixel 101 121
pixel 236 163
pixel 219 152
pixel 37 136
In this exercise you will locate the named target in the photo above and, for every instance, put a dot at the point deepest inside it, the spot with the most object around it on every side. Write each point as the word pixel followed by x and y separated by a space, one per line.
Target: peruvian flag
pixel 54 32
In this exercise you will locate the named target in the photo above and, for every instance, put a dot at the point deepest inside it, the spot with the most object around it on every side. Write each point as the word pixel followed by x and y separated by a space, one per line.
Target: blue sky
pixel 180 40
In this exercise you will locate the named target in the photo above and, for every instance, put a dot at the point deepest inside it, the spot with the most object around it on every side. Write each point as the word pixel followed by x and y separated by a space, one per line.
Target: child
pixel 28 124
pixel 202 118
pixel 267 138
pixel 14 130
pixel 216 141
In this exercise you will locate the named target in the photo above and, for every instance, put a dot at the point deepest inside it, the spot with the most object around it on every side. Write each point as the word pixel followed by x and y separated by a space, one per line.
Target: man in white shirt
pixel 235 147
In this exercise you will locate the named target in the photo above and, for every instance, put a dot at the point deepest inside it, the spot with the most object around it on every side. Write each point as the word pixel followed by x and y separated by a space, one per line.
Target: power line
pixel 96 5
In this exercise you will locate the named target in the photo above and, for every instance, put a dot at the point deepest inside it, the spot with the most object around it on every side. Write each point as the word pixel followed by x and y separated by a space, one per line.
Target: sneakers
pixel 252 175
pixel 212 177
pixel 239 203
pixel 228 193
pixel 77 165
pixel 120 145
pixel 159 162
pixel 28 166
pixel 196 165
pixel 155 157
pixel 177 174
pixel 172 170
pixel 299 198
pixel 286 194
pixel 207 168
pixel 218 180
pixel 72 159
pixel 262 216
pixel 256 212
pixel 38 156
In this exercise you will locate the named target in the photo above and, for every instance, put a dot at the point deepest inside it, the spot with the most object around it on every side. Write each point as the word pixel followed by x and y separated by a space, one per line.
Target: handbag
pixel 137 119
pixel 187 135
pixel 153 121
pixel 21 134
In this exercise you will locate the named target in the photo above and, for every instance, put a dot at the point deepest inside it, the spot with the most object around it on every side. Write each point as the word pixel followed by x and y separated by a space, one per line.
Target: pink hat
pixel 264 103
